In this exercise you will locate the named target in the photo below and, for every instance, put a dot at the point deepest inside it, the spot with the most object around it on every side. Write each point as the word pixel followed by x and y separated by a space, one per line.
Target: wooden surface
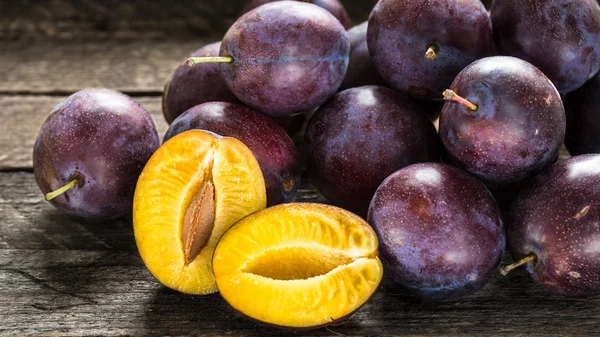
pixel 61 276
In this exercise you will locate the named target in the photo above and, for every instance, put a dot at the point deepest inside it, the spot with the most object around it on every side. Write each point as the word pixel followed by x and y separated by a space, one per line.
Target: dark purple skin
pixel 291 124
pixel 557 218
pixel 561 37
pixel 361 70
pixel 440 231
pixel 101 137
pixel 272 147
pixel 190 86
pixel 332 6
pixel 289 57
pixel 583 118
pixel 361 136
pixel 518 128
pixel 401 31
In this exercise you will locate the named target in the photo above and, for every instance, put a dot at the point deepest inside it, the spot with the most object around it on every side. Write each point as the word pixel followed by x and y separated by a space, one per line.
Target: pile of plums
pixel 370 145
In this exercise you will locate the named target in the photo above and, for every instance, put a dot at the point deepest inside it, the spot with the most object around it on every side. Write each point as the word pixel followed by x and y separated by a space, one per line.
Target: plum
pixel 439 229
pixel 583 118
pixel 332 6
pixel 190 86
pixel 561 37
pixel 510 123
pixel 553 227
pixel 418 47
pixel 272 147
pixel 94 144
pixel 284 57
pixel 361 70
pixel 361 136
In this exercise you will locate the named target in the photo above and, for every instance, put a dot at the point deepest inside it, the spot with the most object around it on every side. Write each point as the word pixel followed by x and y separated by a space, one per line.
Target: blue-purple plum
pixel 419 47
pixel 101 139
pixel 190 86
pixel 518 125
pixel 361 136
pixel 560 37
pixel 332 6
pixel 287 57
pixel 361 70
pixel 440 231
pixel 555 221
pixel 272 147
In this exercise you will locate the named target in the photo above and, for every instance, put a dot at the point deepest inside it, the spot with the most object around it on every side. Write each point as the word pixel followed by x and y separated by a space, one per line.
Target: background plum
pixel 361 70
pixel 332 6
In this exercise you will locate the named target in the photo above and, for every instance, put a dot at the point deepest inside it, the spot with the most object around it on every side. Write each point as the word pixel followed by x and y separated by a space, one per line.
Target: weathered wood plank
pixel 22 116
pixel 133 19
pixel 63 276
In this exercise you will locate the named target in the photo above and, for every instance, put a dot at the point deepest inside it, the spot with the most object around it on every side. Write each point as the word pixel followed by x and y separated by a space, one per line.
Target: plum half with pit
pixel 272 147
pixel 90 151
pixel 361 136
pixel 332 6
pixel 504 120
pixel 440 230
pixel 190 86
pixel 284 57
pixel 553 227
pixel 418 47
pixel 561 37
pixel 583 118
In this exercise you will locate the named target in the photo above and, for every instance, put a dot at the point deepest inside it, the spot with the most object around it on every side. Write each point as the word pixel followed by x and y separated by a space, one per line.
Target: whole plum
pixel 553 227
pixel 440 231
pixel 419 47
pixel 272 147
pixel 190 86
pixel 361 136
pixel 96 141
pixel 361 70
pixel 561 37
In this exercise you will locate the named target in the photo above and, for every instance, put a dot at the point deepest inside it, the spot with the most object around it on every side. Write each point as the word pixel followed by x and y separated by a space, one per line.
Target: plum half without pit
pixel 284 57
pixel 90 151
pixel 503 121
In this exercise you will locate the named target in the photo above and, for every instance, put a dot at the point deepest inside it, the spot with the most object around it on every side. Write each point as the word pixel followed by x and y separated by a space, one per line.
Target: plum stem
pixel 431 52
pixel 450 95
pixel 527 259
pixel 61 190
pixel 192 61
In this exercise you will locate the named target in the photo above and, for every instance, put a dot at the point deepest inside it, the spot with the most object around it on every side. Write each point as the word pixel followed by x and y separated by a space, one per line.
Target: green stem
pixel 527 259
pixel 61 190
pixel 450 95
pixel 192 61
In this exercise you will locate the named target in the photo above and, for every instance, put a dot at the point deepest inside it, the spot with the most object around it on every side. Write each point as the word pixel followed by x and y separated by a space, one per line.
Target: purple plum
pixel 553 227
pixel 361 70
pixel 272 147
pixel 509 123
pixel 583 118
pixel 440 231
pixel 190 86
pixel 419 47
pixel 560 37
pixel 97 140
pixel 332 6
pixel 361 136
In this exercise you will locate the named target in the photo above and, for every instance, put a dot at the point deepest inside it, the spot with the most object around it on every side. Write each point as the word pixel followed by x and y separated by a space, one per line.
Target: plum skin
pixel 440 231
pixel 332 6
pixel 102 137
pixel 542 31
pixel 583 118
pixel 519 126
pixel 288 57
pixel 361 70
pixel 190 86
pixel 556 217
pixel 401 31
pixel 361 136
pixel 272 147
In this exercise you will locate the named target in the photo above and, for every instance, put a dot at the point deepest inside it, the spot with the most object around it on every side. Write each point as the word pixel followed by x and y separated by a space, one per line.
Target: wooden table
pixel 60 276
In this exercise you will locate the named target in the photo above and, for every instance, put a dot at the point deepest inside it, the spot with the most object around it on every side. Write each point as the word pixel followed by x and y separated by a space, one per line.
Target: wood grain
pixel 22 117
pixel 62 276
